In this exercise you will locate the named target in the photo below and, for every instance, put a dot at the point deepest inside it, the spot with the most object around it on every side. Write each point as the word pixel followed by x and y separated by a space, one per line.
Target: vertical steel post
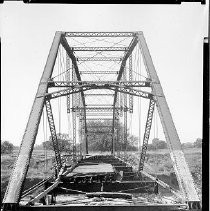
pixel 68 79
pixel 113 134
pixel 130 79
pixel 68 99
pixel 181 168
pixel 16 181
pixel 80 135
pixel 74 103
pixel 125 115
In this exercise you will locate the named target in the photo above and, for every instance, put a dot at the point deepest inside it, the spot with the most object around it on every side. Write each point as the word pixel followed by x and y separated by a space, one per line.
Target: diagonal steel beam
pixel 53 133
pixel 181 168
pixel 74 62
pixel 146 134
pixel 17 178
pixel 64 92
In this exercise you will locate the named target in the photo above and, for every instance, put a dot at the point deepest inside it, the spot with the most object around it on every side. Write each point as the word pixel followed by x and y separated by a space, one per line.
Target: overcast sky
pixel 174 34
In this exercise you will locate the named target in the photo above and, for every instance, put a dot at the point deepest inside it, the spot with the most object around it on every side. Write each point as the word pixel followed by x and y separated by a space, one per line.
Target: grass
pixel 159 161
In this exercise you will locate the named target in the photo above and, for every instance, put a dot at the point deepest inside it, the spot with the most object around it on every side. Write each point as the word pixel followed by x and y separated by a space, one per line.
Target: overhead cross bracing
pixel 98 74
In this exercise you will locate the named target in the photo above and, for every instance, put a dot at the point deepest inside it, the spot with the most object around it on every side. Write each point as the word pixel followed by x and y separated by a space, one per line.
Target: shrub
pixel 6 147
pixel 159 144
pixel 198 143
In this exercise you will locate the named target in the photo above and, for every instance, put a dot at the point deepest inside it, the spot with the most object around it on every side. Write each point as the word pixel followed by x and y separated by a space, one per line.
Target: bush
pixel 6 147
pixel 159 144
pixel 151 147
pixel 198 143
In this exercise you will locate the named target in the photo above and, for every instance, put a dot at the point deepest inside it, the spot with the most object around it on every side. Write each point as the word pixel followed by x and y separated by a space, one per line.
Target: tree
pixel 151 147
pixel 159 144
pixel 101 140
pixel 63 143
pixel 198 143
pixel 132 143
pixel 6 147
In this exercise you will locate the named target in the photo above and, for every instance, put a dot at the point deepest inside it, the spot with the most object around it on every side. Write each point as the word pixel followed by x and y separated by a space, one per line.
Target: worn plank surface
pixel 88 169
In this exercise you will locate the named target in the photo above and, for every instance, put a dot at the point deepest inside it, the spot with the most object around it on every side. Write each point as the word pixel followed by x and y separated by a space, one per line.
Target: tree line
pixel 101 141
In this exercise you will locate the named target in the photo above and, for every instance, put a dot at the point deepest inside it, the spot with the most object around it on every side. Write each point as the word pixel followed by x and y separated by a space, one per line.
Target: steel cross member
pixel 73 84
pixel 99 109
pixel 100 119
pixel 122 89
pixel 99 132
pixel 99 34
pixel 98 72
pixel 99 59
pixel 99 114
pixel 99 94
pixel 99 48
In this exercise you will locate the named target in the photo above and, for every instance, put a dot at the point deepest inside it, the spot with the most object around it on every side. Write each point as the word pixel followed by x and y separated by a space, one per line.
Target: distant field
pixel 158 161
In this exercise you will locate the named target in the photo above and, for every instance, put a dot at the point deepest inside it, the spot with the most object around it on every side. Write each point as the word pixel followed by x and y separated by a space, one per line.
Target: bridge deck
pixel 98 182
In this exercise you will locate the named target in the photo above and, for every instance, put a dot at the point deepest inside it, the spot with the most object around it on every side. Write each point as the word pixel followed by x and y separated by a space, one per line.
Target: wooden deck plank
pixel 88 169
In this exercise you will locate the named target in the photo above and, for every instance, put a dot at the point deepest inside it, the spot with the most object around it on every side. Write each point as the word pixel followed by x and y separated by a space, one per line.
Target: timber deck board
pixel 89 169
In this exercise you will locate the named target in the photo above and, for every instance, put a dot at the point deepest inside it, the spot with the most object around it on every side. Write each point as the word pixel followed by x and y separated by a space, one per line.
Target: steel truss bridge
pixel 119 86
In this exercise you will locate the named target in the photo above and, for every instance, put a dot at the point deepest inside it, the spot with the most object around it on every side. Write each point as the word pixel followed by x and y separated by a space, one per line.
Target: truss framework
pixel 78 87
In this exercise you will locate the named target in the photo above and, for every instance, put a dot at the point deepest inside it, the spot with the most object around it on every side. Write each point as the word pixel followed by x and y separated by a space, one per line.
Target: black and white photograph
pixel 102 106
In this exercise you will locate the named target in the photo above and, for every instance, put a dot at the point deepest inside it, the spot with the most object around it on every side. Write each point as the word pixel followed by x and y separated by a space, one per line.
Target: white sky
pixel 174 35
